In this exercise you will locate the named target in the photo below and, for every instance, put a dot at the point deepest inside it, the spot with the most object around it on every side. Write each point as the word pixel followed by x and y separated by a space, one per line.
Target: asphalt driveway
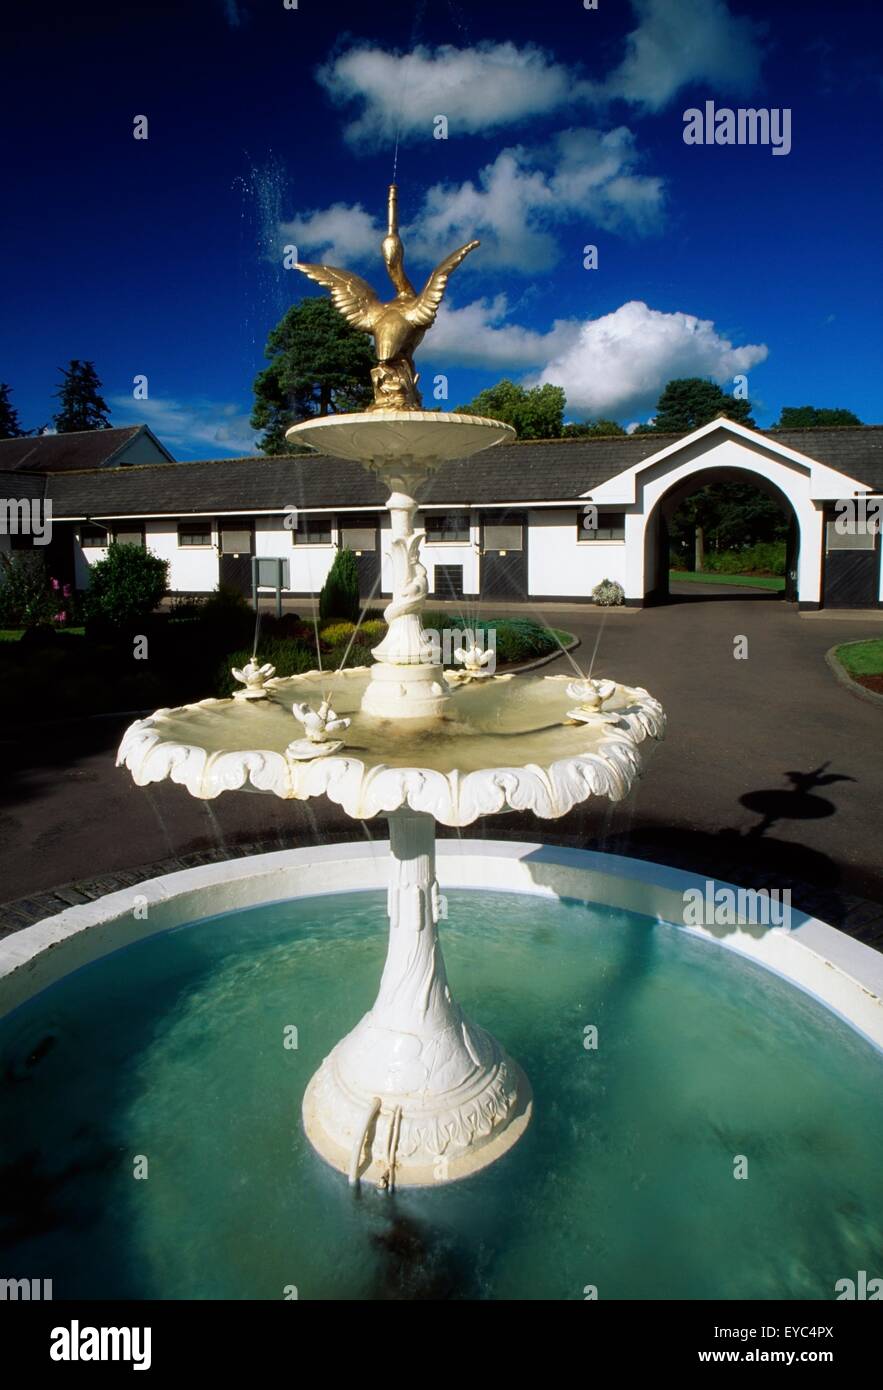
pixel 771 774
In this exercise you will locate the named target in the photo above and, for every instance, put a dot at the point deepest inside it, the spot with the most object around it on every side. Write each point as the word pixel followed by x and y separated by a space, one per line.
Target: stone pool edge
pixel 840 973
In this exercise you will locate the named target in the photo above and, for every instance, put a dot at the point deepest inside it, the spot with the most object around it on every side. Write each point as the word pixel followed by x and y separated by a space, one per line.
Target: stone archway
pixel 656 529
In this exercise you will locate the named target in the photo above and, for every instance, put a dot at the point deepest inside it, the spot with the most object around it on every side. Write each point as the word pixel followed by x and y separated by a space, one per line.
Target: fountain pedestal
pixel 416 1093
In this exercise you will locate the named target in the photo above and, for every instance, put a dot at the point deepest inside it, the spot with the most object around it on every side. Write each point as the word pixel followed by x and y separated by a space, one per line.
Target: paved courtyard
pixel 771 773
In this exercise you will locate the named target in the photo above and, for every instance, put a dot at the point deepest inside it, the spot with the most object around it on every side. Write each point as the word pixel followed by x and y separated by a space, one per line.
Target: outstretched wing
pixel 425 308
pixel 352 295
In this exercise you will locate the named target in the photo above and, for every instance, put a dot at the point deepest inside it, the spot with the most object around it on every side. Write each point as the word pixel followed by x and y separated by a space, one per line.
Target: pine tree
pixel 82 405
pixel 318 365
pixel 689 402
pixel 10 425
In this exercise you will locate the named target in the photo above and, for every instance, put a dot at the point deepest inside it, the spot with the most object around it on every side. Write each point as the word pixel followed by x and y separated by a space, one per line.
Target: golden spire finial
pixel 397 326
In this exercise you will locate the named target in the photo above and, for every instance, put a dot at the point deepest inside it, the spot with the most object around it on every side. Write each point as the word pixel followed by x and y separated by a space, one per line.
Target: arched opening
pixel 720 521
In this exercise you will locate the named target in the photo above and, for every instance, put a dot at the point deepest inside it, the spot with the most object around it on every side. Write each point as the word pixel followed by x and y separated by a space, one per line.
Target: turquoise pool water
pixel 172 1050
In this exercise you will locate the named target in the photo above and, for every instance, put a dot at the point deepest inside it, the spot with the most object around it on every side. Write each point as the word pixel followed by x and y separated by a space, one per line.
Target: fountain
pixel 416 1093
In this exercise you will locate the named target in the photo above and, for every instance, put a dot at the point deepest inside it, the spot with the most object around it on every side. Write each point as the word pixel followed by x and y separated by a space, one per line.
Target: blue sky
pixel 268 126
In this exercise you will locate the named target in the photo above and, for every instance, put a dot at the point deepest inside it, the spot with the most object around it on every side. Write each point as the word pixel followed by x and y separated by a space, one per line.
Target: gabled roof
pixel 829 479
pixel 56 453
pixel 551 471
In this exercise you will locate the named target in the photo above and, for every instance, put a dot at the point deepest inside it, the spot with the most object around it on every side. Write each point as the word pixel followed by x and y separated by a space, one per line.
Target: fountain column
pixel 407 681
pixel 416 1093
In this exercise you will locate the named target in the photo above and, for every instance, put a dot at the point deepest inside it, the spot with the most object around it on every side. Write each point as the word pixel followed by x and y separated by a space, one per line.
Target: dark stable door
pixel 237 548
pixel 361 535
pixel 851 578
pixel 504 555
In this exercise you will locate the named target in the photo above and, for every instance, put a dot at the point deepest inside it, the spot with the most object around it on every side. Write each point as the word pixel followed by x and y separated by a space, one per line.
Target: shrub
pixel 289 657
pixel 340 592
pixel 359 654
pixel 766 557
pixel 517 639
pixel 373 629
pixel 125 587
pixel 335 633
pixel 26 599
pixel 609 594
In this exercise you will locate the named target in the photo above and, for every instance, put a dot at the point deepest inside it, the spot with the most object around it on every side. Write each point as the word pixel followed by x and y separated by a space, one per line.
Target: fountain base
pixel 406 692
pixel 407 1140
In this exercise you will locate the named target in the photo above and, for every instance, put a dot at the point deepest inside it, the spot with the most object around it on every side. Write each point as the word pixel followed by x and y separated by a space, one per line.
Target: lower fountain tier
pixel 393 1135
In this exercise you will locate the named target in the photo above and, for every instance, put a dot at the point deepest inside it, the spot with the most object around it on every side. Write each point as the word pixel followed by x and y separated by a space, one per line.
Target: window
pixel 94 537
pixel 448 581
pixel 358 533
pixel 855 525
pixel 192 533
pixel 611 527
pixel 235 540
pixel 312 530
pixel 129 535
pixel 499 537
pixel 446 527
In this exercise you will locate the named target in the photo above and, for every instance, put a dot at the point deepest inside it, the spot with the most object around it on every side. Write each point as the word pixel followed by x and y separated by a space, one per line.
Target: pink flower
pixel 56 586
pixel 60 618
pixel 66 591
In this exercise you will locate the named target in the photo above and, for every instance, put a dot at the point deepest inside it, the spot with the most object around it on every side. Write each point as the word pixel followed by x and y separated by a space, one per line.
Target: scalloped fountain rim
pixel 843 975
pixel 609 767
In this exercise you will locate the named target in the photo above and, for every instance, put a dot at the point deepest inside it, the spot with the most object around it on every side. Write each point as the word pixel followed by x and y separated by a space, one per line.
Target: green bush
pixel 373 630
pixel 766 557
pixel 290 658
pixel 26 599
pixel 518 639
pixel 340 592
pixel 335 633
pixel 609 594
pixel 359 654
pixel 125 587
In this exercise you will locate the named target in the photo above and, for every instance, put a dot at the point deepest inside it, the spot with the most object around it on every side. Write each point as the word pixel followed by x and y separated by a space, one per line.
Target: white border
pixel 842 974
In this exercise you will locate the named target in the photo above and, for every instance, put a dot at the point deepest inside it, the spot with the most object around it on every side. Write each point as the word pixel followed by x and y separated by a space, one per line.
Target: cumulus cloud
pixel 490 85
pixel 478 335
pixel 675 46
pixel 514 206
pixel 200 428
pixel 342 234
pixel 617 364
pixel 479 89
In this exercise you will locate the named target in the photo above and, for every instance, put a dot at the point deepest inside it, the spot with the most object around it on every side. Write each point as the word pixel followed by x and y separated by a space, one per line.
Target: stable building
pixel 539 520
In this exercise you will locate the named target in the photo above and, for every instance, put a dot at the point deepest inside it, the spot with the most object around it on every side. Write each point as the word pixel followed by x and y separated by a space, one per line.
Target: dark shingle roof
pixel 53 453
pixel 535 471
pixel 15 485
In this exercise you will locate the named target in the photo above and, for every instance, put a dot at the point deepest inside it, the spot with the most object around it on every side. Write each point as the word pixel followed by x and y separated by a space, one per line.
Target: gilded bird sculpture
pixel 399 325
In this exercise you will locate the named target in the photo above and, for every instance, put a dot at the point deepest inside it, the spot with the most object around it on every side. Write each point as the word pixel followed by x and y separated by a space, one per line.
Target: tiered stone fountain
pixel 416 1093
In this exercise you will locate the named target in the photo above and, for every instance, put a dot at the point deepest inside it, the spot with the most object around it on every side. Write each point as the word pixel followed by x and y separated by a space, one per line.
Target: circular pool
pixel 702 1129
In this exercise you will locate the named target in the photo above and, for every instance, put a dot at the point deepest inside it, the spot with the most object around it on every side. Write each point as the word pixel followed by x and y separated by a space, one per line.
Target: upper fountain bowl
pixel 424 436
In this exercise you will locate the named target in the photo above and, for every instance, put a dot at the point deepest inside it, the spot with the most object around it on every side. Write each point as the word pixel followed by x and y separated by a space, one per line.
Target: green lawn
pixel 748 581
pixel 862 658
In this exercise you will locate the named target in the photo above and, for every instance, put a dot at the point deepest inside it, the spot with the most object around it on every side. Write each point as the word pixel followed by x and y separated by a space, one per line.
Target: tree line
pixel 81 404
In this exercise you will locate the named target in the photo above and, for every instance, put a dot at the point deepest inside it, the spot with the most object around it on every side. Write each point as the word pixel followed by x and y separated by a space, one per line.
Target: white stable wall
pixel 559 565
pixel 192 569
pixel 308 565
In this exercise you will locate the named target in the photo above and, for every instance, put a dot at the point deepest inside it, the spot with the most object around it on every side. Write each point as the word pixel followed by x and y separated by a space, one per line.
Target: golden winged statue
pixel 398 326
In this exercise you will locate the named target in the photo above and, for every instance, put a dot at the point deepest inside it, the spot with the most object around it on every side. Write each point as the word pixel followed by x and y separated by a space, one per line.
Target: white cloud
pixel 479 336
pixel 617 364
pixel 195 427
pixel 514 207
pixel 342 234
pixel 676 45
pixel 479 89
